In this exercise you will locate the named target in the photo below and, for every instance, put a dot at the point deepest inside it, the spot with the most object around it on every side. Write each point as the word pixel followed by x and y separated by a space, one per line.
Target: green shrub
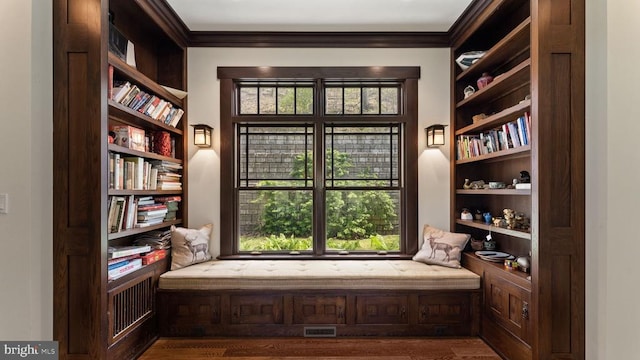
pixel 351 214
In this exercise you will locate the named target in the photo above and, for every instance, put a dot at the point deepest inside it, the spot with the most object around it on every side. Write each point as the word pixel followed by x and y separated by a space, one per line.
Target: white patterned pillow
pixel 441 247
pixel 189 246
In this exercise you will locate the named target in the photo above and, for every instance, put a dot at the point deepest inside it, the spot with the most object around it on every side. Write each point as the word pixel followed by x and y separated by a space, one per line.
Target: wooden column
pixel 558 67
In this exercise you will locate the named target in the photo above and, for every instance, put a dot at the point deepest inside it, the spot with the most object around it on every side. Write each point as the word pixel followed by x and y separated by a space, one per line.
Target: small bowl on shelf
pixel 496 185
pixel 467 59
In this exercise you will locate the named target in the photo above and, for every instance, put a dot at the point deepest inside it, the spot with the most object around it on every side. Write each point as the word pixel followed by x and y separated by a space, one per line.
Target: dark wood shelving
pixel 123 114
pixel 517 192
pixel 515 42
pixel 135 231
pixel 495 229
pixel 144 154
pixel 162 264
pixel 515 276
pixel 496 119
pixel 143 192
pixel 138 78
pixel 498 155
pixel 502 84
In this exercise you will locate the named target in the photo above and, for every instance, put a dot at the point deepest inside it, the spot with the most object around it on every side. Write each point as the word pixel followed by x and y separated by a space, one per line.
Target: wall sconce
pixel 435 135
pixel 202 135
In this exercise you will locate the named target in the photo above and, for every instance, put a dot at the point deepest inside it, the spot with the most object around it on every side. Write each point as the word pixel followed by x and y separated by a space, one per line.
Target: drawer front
pixel 319 309
pixel 382 309
pixel 444 309
pixel 256 309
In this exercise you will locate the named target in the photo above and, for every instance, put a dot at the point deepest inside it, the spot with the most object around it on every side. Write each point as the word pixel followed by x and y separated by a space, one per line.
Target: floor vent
pixel 320 331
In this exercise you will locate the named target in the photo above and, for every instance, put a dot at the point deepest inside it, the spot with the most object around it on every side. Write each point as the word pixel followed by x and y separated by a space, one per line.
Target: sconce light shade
pixel 435 135
pixel 202 135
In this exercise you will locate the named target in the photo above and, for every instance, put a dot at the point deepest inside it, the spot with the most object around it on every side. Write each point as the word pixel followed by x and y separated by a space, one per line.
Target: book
pixel 523 186
pixel 124 258
pixel 138 172
pixel 154 256
pixel 121 251
pixel 124 270
pixel 122 91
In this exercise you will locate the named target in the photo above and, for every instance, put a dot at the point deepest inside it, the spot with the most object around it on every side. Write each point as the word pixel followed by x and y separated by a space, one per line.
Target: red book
pixel 154 256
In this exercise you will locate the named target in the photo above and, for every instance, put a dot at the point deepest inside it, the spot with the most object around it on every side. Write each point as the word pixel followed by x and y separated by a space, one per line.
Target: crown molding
pixel 318 39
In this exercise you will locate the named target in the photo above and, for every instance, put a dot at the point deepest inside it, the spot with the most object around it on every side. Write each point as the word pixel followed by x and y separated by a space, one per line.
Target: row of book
pixel 510 135
pixel 137 173
pixel 123 260
pixel 130 211
pixel 133 97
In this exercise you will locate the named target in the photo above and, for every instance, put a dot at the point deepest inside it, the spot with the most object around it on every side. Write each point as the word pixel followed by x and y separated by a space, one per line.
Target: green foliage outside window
pixel 350 214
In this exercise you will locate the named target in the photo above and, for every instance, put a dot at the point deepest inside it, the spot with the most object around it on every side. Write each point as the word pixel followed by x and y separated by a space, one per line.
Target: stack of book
pixel 168 176
pixel 172 203
pixel 149 212
pixel 156 239
pixel 124 260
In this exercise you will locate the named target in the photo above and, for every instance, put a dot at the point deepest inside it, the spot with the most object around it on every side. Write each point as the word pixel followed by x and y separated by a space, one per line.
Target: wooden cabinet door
pixel 319 309
pixel 444 309
pixel 508 305
pixel 256 309
pixel 381 309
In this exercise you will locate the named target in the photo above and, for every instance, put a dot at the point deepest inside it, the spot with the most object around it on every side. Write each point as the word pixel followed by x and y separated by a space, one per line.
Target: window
pixel 316 165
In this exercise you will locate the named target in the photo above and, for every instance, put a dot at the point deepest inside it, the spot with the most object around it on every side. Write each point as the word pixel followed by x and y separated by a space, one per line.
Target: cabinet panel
pixel 256 309
pixel 508 306
pixel 443 309
pixel 382 309
pixel 319 309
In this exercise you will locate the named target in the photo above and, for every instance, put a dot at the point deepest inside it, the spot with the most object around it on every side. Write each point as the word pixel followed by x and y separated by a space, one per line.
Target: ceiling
pixel 319 15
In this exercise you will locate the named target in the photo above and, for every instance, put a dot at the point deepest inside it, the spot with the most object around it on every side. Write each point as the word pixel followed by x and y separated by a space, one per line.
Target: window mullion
pixel 319 193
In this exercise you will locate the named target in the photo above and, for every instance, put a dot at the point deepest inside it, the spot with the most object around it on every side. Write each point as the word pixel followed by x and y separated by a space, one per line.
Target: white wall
pixel 25 165
pixel 612 161
pixel 204 107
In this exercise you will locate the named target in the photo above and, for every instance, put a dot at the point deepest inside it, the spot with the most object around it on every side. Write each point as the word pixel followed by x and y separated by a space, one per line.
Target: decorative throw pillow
pixel 189 246
pixel 441 247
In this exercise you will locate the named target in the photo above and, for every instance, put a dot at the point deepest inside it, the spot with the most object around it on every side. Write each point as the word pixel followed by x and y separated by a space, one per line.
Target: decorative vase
pixel 484 80
pixel 489 245
pixel 487 218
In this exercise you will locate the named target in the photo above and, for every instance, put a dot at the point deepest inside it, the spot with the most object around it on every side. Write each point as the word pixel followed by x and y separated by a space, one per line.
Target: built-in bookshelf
pixel 534 52
pixel 119 162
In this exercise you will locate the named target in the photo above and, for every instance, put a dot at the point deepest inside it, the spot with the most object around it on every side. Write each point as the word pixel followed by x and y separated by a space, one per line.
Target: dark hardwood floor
pixel 321 348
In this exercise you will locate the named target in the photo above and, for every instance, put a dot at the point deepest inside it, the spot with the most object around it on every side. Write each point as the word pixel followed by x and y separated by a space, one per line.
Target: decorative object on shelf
pixel 510 264
pixel 469 58
pixel 509 218
pixel 466 185
pixel 435 135
pixel 522 222
pixel 478 117
pixel 525 177
pixel 494 256
pixel 477 244
pixel 162 143
pixel 478 215
pixel 496 185
pixel 466 215
pixel 484 80
pixel 478 184
pixel 487 218
pixel 498 222
pixel 524 263
pixel 111 138
pixel 202 135
pixel 468 91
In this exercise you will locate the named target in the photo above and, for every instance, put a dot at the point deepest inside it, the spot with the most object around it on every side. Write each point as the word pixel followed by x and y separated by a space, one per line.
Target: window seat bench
pixel 318 298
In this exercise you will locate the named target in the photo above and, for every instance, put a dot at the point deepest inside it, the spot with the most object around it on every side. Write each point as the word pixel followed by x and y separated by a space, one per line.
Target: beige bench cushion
pixel 318 274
